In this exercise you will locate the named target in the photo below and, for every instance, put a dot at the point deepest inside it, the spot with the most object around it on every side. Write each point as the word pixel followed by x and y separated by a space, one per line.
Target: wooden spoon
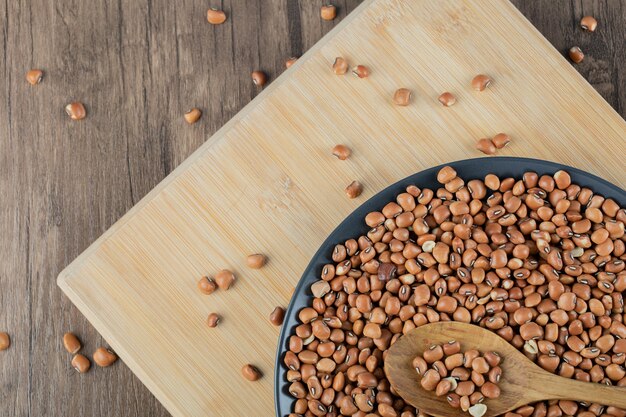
pixel 522 381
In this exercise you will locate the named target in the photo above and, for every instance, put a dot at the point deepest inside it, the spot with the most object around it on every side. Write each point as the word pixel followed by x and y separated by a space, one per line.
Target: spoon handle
pixel 554 387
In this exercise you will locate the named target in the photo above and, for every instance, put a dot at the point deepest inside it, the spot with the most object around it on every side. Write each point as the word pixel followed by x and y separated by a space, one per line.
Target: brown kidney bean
pixel 71 343
pixel 490 390
pixel 430 380
pixel 465 388
pixel 80 363
pixel 277 316
pixel 224 279
pixel 104 357
pixel 433 353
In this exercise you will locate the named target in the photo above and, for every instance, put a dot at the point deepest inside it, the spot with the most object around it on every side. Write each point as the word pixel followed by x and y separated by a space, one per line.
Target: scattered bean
pixel 361 71
pixel 71 343
pixel 215 16
pixel 76 111
pixel 402 96
pixel 538 260
pixel 481 82
pixel 224 279
pixel 81 363
pixel 354 189
pixel 213 320
pixel 328 12
pixel 588 24
pixel 193 115
pixel 290 61
pixel 256 261
pixel 486 146
pixel 207 286
pixel 34 76
pixel 259 78
pixel 251 372
pixel 576 54
pixel 103 357
pixel 340 66
pixel 447 99
pixel 501 140
pixel 277 316
pixel 5 341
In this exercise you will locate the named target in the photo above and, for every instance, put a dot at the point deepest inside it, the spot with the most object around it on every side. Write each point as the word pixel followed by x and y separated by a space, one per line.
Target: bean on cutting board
pixel 251 372
pixel 342 152
pixel 354 189
pixel 5 341
pixel 340 66
pixel 361 71
pixel 256 261
pixel 34 76
pixel 277 316
pixel 328 12
pixel 193 115
pixel 576 54
pixel 207 286
pixel 213 320
pixel 259 78
pixel 290 61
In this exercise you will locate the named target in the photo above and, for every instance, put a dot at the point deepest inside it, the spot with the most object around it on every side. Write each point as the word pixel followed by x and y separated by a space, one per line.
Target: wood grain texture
pixel 138 65
pixel 266 182
pixel 522 381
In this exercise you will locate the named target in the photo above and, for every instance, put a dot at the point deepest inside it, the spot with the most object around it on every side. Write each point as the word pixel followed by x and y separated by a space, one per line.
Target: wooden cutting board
pixel 267 182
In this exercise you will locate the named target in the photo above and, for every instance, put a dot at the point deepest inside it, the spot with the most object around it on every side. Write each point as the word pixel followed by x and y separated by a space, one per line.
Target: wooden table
pixel 137 66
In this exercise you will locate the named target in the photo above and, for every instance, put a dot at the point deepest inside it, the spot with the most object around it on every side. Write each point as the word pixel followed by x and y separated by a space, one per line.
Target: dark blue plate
pixel 354 226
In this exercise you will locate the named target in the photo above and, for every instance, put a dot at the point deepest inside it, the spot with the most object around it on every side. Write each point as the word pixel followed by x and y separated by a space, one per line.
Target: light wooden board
pixel 266 182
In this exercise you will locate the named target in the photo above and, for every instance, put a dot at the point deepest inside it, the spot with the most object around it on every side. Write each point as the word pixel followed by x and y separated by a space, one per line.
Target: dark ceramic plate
pixel 354 226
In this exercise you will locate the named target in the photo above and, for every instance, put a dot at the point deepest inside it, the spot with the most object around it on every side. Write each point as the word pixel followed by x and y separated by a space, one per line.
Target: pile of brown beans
pixel 465 378
pixel 538 260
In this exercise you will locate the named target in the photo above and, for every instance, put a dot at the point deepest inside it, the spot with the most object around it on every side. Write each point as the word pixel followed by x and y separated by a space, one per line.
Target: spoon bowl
pixel 522 380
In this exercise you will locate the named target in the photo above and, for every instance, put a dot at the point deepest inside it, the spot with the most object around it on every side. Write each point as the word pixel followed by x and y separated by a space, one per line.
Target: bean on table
pixel 104 357
pixel 328 12
pixel 80 363
pixel 71 343
pixel 251 372
pixel 256 261
pixel 5 341
pixel 215 16
pixel 193 115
